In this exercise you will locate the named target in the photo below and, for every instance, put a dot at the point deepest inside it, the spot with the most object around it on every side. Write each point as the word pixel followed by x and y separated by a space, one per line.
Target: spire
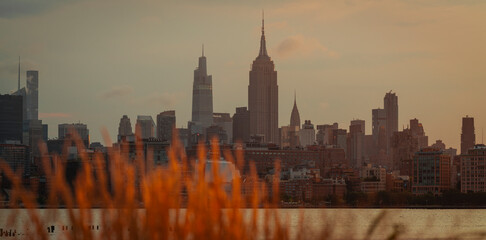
pixel 263 47
pixel 295 116
pixel 19 75
pixel 263 22
pixel 203 50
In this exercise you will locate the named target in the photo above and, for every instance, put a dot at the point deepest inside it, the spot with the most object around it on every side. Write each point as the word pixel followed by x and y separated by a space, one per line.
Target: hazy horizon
pixel 99 60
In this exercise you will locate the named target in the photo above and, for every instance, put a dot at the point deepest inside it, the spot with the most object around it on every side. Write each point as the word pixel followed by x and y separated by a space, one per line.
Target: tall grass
pixel 142 201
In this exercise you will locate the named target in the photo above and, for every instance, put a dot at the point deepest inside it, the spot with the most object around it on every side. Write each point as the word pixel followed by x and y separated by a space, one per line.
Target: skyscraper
pixel 166 122
pixel 378 123
pixel 80 128
pixel 224 121
pixel 202 98
pixel 307 134
pixel 391 110
pixel 32 95
pixel 468 138
pixel 295 116
pixel 241 125
pixel 11 120
pixel 124 128
pixel 417 130
pixel 263 96
pixel 355 142
pixel 145 127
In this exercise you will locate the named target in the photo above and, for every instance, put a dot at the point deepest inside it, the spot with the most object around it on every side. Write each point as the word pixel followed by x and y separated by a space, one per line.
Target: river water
pixel 341 223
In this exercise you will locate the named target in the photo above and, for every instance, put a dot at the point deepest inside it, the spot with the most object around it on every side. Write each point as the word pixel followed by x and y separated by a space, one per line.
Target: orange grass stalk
pixel 147 202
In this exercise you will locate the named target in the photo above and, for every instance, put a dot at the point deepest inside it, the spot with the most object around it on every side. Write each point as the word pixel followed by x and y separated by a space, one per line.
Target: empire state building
pixel 263 96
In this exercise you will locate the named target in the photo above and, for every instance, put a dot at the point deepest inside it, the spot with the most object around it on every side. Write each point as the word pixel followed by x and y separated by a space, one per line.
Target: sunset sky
pixel 99 60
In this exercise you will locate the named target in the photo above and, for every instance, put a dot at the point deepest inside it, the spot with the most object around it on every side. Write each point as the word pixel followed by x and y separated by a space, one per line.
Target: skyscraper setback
pixel 202 98
pixel 263 95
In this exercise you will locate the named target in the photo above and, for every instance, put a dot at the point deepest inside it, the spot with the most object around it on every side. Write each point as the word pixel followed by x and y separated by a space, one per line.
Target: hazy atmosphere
pixel 99 60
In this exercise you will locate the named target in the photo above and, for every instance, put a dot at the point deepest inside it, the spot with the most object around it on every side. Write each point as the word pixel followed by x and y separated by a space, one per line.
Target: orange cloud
pixel 301 46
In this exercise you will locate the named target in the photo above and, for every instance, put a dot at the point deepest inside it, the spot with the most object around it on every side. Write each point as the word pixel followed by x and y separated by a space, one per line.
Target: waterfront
pixel 339 223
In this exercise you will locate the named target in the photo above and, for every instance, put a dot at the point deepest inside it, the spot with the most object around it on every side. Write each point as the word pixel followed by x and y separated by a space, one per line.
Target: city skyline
pixel 329 92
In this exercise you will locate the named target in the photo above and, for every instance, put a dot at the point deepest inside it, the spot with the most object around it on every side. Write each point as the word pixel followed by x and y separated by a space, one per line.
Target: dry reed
pixel 140 201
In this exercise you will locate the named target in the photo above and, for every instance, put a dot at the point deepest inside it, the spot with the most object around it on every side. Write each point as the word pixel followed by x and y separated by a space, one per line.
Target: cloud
pixel 301 46
pixel 19 8
pixel 55 115
pixel 117 91
pixel 165 99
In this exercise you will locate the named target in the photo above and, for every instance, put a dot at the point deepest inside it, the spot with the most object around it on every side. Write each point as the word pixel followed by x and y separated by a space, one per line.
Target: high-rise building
pixel 295 116
pixel 404 145
pixel 35 136
pixel 339 138
pixel 166 122
pixel 11 119
pixel 145 127
pixel 224 121
pixel 32 95
pixel 378 125
pixel 418 132
pixel 184 136
pixel 216 132
pixel 202 98
pixel 468 137
pixel 289 137
pixel 430 172
pixel 472 169
pixel 241 125
pixel 263 96
pixel 360 123
pixel 16 156
pixel 80 128
pixel 391 111
pixel 325 133
pixel 45 132
pixel 307 134
pixel 355 143
pixel 124 128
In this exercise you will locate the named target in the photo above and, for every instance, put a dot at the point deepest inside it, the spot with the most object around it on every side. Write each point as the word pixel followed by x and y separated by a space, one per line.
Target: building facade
pixel 145 127
pixel 430 172
pixel 263 96
pixel 224 121
pixel 473 169
pixel 202 98
pixel 391 111
pixel 166 123
pixel 307 134
pixel 241 125
pixel 124 128
pixel 11 119
pixel 80 128
pixel 468 137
